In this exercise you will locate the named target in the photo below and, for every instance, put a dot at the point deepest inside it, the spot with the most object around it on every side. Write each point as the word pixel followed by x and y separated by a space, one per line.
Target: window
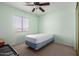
pixel 20 23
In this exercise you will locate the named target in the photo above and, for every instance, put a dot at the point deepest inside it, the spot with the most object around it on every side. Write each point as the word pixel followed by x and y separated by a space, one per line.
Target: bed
pixel 37 41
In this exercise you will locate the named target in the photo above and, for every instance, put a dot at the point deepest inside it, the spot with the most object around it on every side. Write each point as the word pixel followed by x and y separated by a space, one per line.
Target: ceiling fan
pixel 37 5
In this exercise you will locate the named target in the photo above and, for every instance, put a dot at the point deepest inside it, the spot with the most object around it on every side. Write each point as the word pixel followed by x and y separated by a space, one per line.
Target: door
pixel 77 30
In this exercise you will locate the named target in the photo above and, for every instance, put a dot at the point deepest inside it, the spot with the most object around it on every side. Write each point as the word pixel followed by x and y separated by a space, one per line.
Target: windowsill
pixel 20 31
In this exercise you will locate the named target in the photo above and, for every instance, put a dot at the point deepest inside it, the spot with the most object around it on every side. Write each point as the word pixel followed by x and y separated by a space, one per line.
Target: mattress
pixel 38 38
pixel 40 45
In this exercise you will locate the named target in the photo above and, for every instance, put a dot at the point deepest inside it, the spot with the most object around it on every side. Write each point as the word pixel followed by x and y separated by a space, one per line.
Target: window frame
pixel 22 29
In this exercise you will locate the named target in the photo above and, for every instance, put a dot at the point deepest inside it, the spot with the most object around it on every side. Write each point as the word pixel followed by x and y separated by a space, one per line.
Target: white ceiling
pixel 52 7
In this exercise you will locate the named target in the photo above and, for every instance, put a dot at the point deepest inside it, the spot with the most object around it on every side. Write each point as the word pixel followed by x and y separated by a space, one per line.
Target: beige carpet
pixel 52 49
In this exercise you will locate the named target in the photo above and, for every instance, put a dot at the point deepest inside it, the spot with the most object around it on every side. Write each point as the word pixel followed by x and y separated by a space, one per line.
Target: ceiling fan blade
pixel 42 9
pixel 30 5
pixel 44 4
pixel 33 10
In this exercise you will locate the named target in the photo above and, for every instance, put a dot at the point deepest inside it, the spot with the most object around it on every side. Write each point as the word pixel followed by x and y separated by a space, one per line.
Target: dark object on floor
pixel 7 50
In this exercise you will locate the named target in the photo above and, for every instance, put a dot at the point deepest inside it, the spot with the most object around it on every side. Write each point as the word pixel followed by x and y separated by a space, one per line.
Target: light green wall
pixel 61 23
pixel 6 27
